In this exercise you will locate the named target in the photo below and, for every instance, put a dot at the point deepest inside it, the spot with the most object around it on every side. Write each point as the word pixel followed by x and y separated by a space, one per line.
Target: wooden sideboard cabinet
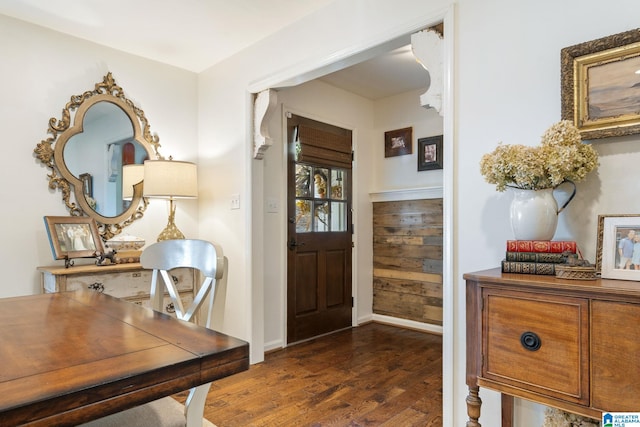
pixel 130 282
pixel 570 344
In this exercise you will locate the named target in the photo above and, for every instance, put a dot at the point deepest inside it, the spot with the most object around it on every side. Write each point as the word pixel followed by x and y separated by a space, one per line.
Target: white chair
pixel 162 257
pixel 198 254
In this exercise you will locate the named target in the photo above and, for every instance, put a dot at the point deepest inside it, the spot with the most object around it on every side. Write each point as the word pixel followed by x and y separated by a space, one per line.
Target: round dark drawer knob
pixel 530 341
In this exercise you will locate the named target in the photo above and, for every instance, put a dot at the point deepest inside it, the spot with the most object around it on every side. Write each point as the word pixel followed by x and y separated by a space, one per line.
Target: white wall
pixel 40 71
pixel 401 172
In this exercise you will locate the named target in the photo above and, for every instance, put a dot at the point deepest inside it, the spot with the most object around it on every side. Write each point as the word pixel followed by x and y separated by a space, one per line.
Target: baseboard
pixel 365 319
pixel 405 323
pixel 273 345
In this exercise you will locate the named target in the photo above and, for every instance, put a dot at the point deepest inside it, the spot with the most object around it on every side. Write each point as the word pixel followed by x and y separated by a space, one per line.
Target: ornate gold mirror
pixel 100 132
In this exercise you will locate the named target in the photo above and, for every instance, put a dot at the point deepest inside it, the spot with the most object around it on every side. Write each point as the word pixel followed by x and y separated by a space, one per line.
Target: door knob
pixel 292 244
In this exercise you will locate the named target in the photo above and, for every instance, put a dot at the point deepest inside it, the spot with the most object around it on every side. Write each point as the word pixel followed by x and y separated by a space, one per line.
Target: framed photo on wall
pixel 617 255
pixel 600 86
pixel 430 153
pixel 398 142
pixel 73 236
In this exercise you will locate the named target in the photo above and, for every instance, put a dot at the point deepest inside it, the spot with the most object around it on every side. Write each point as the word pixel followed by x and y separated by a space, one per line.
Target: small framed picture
pixel 618 251
pixel 398 142
pixel 600 85
pixel 73 236
pixel 430 153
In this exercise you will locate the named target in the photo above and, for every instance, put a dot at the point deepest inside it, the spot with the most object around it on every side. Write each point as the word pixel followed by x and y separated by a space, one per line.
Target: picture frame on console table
pixel 73 236
pixel 614 253
pixel 599 87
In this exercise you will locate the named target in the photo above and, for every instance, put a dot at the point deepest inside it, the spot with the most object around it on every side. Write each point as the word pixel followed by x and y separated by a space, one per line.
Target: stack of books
pixel 536 256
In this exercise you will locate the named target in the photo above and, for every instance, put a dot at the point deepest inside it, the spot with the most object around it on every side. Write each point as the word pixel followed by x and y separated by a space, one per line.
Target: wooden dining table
pixel 67 358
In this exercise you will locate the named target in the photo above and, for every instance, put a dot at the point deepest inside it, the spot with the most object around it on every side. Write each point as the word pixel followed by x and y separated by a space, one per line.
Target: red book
pixel 551 246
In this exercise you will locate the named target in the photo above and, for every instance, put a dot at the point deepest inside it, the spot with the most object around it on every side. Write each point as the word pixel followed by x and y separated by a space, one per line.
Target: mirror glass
pixel 100 132
pixel 107 139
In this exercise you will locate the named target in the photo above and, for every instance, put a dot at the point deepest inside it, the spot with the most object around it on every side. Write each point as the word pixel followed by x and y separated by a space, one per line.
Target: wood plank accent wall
pixel 407 260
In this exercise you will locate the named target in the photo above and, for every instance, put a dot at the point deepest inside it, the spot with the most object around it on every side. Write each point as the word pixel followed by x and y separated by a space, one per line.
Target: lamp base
pixel 171 231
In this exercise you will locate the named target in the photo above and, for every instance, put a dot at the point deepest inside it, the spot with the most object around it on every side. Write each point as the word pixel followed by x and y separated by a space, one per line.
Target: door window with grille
pixel 320 202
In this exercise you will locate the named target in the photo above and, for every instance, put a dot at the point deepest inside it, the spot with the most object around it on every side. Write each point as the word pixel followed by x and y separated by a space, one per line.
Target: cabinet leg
pixel 473 407
pixel 507 410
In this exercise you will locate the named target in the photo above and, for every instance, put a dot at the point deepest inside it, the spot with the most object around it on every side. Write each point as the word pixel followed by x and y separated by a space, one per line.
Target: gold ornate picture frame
pixel 601 87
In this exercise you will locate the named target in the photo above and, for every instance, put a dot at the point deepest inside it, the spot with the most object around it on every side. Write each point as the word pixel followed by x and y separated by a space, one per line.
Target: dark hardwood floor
pixel 372 375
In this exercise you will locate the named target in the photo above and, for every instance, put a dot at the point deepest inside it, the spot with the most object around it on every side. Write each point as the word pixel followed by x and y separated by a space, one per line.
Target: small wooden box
pixel 575 272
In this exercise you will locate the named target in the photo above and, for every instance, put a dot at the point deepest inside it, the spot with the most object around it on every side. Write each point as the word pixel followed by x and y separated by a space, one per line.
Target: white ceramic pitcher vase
pixel 534 213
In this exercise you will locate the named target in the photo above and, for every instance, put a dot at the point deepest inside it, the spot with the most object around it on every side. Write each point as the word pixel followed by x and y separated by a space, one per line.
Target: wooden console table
pixel 127 281
pixel 570 344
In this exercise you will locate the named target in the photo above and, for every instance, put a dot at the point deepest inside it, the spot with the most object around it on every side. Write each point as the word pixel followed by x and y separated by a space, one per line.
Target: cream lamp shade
pixel 170 179
pixel 131 175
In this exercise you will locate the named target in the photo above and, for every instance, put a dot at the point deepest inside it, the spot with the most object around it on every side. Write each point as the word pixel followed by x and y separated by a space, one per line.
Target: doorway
pixel 354 53
pixel 319 228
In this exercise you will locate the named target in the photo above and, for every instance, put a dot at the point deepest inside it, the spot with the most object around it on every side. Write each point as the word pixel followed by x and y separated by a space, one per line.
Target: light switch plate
pixel 235 201
pixel 272 205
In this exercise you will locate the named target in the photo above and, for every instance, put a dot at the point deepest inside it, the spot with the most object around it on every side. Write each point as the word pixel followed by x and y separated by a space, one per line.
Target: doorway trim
pixel 318 67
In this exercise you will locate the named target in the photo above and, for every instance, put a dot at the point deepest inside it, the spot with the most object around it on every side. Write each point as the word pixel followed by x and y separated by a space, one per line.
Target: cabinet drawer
pixel 537 342
pixel 167 305
pixel 130 284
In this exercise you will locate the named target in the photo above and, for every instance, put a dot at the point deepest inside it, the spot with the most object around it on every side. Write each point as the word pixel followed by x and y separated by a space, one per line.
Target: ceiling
pixel 385 75
pixel 201 33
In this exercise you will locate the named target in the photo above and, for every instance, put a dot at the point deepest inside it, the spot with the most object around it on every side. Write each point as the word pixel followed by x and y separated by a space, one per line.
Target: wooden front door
pixel 319 229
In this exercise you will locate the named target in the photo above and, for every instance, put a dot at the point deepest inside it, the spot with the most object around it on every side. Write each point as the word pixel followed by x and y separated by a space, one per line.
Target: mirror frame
pixel 50 152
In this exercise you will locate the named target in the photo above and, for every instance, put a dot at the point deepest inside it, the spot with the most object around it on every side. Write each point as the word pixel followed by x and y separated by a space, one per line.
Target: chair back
pixel 201 255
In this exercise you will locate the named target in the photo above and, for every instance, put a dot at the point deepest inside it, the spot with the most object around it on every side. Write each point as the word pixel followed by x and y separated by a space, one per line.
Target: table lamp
pixel 170 179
